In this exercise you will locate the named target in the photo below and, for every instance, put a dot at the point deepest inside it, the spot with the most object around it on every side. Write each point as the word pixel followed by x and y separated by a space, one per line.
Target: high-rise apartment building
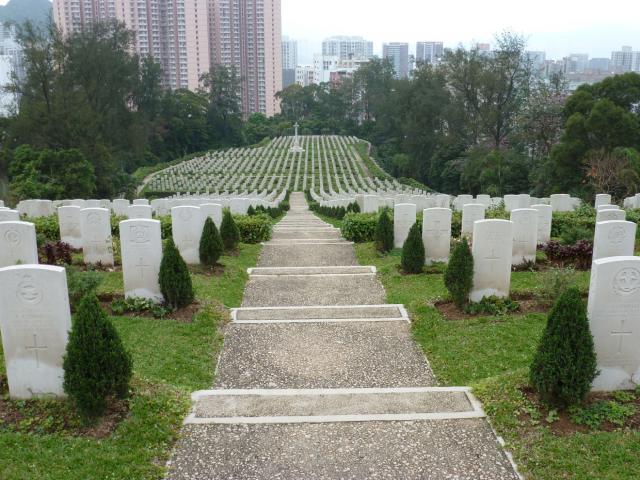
pixel 289 61
pixel 186 37
pixel 429 52
pixel 398 54
pixel 346 48
pixel 625 60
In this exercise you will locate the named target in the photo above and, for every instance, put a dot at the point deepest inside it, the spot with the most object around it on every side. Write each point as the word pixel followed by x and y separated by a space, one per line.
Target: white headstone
pixel 524 200
pixel 511 202
pixel 139 212
pixel 186 228
pixel 492 254
pixel 484 200
pixel 606 215
pixel 18 243
pixel 239 206
pixel 462 200
pixel 92 203
pixel 141 201
pixel 471 213
pixel 607 206
pixel 614 314
pixel 141 245
pixel 9 216
pixel 97 246
pixel 436 234
pixel 561 202
pixel 371 203
pixel 443 200
pixel 70 229
pixel 34 321
pixel 615 238
pixel 120 207
pixel 545 218
pixel 602 199
pixel 525 235
pixel 404 216
pixel 212 211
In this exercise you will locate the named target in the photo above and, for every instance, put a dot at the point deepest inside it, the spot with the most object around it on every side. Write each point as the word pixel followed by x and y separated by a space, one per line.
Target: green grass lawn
pixel 171 360
pixel 492 354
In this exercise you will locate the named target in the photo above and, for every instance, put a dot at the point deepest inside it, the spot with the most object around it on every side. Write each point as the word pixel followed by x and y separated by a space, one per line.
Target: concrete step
pixel 333 405
pixel 464 449
pixel 305 271
pixel 351 313
pixel 287 234
pixel 308 241
pixel 293 291
pixel 301 255
pixel 322 355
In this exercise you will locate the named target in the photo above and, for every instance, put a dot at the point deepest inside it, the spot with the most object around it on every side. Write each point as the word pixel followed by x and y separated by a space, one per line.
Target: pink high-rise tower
pixel 186 37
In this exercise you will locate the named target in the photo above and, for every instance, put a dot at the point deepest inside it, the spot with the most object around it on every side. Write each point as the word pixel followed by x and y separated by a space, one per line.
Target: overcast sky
pixel 559 27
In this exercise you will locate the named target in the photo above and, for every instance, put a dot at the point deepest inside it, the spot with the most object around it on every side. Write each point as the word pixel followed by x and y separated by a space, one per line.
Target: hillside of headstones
pixel 35 313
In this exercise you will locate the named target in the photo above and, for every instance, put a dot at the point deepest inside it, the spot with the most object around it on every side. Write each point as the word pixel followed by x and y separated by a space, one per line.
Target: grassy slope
pixel 171 360
pixel 493 354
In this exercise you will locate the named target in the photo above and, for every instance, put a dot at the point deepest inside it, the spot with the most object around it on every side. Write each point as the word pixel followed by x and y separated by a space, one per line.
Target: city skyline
pixel 553 27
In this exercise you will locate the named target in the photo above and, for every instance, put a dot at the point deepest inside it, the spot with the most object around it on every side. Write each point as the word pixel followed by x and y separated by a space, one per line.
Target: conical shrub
pixel 96 364
pixel 412 259
pixel 384 233
pixel 229 231
pixel 211 246
pixel 251 211
pixel 458 276
pixel 564 365
pixel 174 278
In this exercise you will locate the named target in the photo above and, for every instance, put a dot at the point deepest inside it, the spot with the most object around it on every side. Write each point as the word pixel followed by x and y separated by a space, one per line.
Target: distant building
pixel 577 62
pixel 347 47
pixel 10 64
pixel 398 54
pixel 306 75
pixel 623 59
pixel 599 64
pixel 538 61
pixel 429 52
pixel 289 61
pixel 187 37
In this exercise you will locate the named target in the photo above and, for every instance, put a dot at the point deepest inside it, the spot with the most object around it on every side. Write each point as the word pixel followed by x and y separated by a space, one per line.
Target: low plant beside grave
pixel 359 227
pixel 229 231
pixel 122 306
pixel 175 280
pixel 493 306
pixel 458 276
pixel 412 259
pixel 211 246
pixel 384 233
pixel 253 229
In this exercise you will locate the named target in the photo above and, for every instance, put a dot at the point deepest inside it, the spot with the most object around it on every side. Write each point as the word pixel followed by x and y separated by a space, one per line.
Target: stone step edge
pixel 403 311
pixel 476 411
pixel 306 241
pixel 327 271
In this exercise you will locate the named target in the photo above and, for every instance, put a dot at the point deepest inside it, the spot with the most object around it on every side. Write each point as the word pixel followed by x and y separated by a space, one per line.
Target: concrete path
pixel 320 379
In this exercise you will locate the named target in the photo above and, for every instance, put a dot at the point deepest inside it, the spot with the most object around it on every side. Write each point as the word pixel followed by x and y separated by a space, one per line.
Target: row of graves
pixel 320 163
pixel 35 313
pixel 498 245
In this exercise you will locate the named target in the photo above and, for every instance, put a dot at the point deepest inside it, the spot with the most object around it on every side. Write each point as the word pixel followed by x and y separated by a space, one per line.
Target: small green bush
pixel 458 277
pixel 493 306
pixel 412 259
pixel 80 284
pixel 96 364
pixel 165 226
pixel 211 246
pixel 47 229
pixel 564 365
pixel 384 233
pixel 229 231
pixel 174 278
pixel 251 211
pixel 359 227
pixel 254 229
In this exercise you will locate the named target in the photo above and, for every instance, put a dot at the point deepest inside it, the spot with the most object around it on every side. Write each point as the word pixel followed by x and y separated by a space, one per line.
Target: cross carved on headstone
pixel 621 334
pixel 36 348
pixel 492 258
pixel 141 265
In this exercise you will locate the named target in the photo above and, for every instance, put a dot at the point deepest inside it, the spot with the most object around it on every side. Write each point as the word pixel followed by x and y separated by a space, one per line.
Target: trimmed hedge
pixel 255 228
pixel 360 227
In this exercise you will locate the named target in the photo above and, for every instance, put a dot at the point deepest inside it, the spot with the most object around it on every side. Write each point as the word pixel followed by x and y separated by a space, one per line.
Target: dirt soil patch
pixel 528 304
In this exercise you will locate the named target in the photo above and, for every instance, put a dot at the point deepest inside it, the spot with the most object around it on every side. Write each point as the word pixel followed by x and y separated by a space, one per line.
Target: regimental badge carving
pixel 627 281
pixel 29 291
pixel 617 235
pixel 139 234
pixel 13 237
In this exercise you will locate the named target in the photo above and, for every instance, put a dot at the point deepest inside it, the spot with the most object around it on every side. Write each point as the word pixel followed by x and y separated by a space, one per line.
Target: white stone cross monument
pixel 436 234
pixel 492 254
pixel 141 245
pixel 614 318
pixel 34 320
pixel 296 148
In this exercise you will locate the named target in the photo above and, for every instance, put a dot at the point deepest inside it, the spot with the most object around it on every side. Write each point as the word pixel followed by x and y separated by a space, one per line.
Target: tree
pixel 458 277
pixel 211 246
pixel 96 364
pixel 564 365
pixel 412 259
pixel 384 233
pixel 229 231
pixel 174 278
pixel 221 87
